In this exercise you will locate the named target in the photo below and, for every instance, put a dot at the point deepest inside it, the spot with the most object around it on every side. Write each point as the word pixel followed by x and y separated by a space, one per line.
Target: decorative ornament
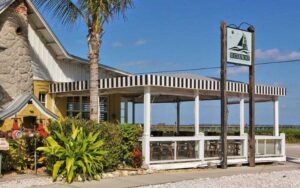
pixel 17 134
pixel 21 9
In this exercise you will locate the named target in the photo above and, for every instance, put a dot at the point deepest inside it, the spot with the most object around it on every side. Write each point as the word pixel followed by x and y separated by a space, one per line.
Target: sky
pixel 163 35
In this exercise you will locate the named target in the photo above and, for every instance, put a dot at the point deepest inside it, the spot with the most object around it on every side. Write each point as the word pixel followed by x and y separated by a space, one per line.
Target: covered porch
pixel 188 149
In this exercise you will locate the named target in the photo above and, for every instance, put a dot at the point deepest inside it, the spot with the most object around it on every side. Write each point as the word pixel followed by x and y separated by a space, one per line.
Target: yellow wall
pixel 43 86
pixel 61 102
pixel 60 108
pixel 29 110
pixel 114 108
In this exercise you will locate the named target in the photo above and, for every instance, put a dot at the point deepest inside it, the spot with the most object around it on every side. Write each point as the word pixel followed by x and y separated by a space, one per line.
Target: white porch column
pixel 126 111
pixel 133 112
pixel 276 117
pixel 147 126
pixel 196 110
pixel 178 116
pixel 242 116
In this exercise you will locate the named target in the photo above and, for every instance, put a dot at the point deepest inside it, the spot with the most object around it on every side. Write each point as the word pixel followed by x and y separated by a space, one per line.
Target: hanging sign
pixel 3 144
pixel 239 45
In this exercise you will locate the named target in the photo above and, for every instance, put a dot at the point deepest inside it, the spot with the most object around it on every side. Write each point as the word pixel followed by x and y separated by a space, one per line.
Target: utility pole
pixel 223 95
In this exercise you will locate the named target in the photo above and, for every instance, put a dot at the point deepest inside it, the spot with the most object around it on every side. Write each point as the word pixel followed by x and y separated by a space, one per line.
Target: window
pixel 81 105
pixel 103 108
pixel 42 98
pixel 73 106
pixel 85 108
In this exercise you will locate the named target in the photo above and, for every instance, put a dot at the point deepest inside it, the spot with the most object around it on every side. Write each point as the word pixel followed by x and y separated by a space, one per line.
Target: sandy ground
pixel 282 179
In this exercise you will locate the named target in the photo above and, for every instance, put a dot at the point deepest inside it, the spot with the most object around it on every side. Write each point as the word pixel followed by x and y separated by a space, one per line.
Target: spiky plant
pixel 78 154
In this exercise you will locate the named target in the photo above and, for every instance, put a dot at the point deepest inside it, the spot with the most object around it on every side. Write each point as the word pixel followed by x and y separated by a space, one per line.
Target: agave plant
pixel 78 154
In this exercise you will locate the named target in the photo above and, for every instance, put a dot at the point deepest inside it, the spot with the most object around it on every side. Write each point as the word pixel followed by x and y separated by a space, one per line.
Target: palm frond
pixel 65 10
pixel 105 9
pixel 94 12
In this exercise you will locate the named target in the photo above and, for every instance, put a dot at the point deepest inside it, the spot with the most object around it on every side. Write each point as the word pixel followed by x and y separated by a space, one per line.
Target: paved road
pixel 293 150
pixel 174 176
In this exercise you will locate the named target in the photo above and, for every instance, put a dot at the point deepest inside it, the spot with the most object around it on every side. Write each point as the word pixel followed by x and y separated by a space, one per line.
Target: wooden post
pixel 252 102
pixel 223 95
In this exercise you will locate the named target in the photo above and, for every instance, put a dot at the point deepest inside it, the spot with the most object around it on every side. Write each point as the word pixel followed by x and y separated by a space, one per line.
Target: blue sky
pixel 180 34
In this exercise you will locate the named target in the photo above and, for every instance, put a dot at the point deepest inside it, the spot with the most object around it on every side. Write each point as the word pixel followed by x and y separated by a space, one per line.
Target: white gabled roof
pixel 50 37
pixel 4 4
pixel 21 101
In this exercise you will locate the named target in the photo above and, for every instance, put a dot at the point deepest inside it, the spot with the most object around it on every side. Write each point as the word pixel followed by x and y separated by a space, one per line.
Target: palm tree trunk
pixel 94 47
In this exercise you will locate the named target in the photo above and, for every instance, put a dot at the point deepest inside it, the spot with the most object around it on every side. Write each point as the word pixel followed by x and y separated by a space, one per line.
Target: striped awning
pixel 166 82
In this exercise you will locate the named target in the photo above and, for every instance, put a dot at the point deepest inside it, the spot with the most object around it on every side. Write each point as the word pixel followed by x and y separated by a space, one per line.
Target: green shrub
pixel 7 161
pixel 292 135
pixel 20 155
pixel 120 143
pixel 64 125
pixel 79 154
pixel 120 140
pixel 131 135
pixel 111 134
pixel 17 152
pixel 108 132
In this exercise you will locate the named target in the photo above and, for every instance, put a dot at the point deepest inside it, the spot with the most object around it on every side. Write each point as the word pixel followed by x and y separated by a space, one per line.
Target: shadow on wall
pixel 38 67
pixel 4 97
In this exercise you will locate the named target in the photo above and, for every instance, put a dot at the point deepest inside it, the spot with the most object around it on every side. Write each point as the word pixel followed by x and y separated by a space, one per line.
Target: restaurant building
pixel 41 81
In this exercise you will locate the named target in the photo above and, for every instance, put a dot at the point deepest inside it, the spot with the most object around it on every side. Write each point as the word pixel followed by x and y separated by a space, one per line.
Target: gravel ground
pixel 29 182
pixel 281 179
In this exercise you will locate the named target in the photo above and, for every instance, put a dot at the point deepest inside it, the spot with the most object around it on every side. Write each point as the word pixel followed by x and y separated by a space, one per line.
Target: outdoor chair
pixel 234 147
pixel 212 148
pixel 155 151
pixel 167 152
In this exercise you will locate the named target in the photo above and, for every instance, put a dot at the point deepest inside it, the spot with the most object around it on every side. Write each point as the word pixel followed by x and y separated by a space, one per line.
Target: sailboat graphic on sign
pixel 242 45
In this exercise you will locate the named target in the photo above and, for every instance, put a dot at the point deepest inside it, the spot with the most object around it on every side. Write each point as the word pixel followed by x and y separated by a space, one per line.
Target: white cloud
pixel 237 70
pixel 117 44
pixel 140 42
pixel 276 54
pixel 134 63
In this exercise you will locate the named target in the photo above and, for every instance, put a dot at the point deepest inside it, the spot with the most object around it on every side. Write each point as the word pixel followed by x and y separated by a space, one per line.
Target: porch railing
pixel 270 146
pixel 208 148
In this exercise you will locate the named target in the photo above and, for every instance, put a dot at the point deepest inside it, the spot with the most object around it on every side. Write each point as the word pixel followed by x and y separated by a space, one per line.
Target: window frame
pixel 44 94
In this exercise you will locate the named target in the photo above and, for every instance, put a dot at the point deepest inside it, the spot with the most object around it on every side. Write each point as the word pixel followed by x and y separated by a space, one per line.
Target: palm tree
pixel 94 13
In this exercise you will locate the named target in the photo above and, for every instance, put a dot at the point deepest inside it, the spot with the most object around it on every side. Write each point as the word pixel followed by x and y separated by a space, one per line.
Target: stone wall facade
pixel 16 74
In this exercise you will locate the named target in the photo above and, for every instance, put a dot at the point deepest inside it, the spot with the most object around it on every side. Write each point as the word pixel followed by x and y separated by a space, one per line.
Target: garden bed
pixel 78 150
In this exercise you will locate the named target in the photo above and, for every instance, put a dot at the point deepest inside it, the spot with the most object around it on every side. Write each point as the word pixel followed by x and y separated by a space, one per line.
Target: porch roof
pixel 168 85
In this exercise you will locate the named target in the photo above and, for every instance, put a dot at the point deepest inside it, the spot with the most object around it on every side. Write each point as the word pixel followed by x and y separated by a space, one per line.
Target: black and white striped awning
pixel 167 82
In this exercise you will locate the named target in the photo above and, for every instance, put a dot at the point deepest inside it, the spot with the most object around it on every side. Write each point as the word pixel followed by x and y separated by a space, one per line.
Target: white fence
pixel 200 150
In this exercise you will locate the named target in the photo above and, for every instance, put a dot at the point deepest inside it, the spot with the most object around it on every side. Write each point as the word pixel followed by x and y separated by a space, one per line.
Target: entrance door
pixel 29 121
